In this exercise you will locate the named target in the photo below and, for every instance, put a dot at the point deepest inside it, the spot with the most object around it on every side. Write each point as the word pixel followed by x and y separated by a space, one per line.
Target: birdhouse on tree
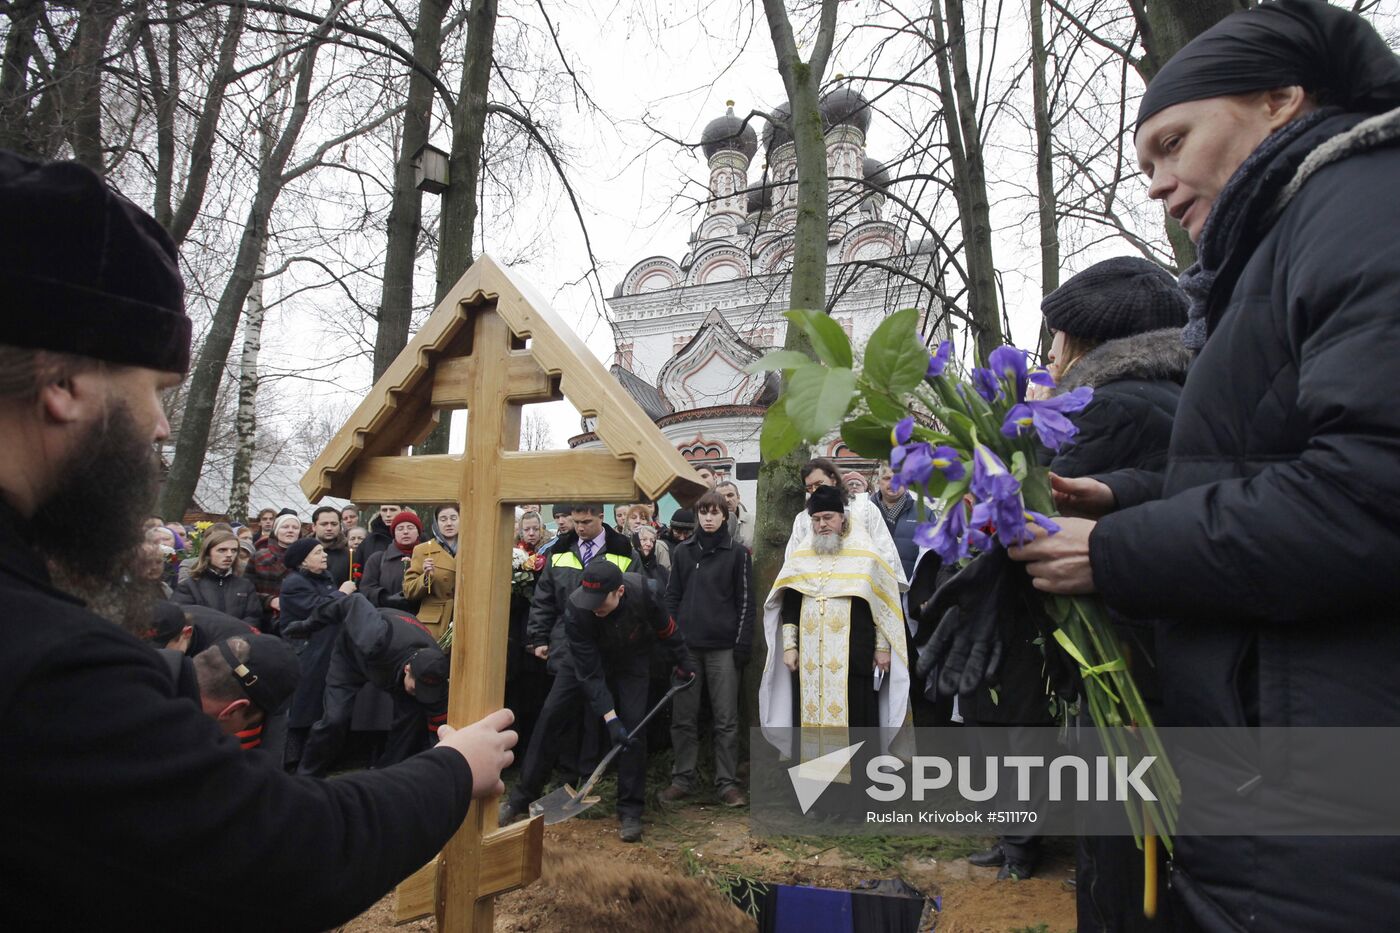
pixel 490 347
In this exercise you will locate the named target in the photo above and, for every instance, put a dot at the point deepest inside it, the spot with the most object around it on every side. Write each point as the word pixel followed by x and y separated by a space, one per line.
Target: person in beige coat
pixel 432 574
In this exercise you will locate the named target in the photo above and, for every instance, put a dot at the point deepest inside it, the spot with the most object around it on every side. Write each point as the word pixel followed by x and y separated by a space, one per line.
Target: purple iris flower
pixel 986 383
pixel 902 431
pixel 1041 377
pixel 1010 363
pixel 948 461
pixel 939 360
pixel 1047 417
pixel 991 481
pixel 1012 520
pixel 948 539
pixel 912 465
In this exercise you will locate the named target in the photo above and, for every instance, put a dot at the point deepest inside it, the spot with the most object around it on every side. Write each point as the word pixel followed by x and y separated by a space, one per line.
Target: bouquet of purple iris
pixel 974 447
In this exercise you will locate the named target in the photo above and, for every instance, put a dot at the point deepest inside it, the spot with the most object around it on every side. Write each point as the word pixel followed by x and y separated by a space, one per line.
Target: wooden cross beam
pixel 472 353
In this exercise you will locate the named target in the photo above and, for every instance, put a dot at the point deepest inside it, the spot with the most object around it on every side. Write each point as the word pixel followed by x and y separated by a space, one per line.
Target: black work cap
pixel 1328 51
pixel 826 499
pixel 270 672
pixel 429 669
pixel 84 271
pixel 599 579
pixel 169 622
pixel 683 520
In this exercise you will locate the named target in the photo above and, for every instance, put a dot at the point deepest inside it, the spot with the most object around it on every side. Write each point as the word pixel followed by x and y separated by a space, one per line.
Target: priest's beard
pixel 827 544
pixel 89 526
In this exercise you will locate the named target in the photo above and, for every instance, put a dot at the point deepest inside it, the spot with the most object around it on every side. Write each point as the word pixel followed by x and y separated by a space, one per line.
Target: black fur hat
pixel 84 271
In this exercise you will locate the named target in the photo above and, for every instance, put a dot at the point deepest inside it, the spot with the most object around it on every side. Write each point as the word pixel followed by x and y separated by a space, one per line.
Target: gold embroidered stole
pixel 823 651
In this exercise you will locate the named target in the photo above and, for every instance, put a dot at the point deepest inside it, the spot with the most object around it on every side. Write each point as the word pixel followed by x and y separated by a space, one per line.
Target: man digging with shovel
pixel 611 624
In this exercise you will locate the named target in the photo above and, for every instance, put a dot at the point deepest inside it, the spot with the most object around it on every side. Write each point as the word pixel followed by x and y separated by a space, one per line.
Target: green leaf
pixel 962 427
pixel 830 342
pixel 1018 465
pixel 868 436
pixel 780 359
pixel 895 358
pixel 818 398
pixel 778 436
pixel 884 408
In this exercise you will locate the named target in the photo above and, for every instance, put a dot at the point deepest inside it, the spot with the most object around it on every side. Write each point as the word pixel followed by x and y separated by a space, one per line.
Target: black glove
pixel 685 665
pixel 618 732
pixel 966 647
pixel 741 658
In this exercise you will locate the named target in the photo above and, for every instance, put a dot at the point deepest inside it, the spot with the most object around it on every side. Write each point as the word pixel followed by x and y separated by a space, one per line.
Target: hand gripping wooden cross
pixel 491 346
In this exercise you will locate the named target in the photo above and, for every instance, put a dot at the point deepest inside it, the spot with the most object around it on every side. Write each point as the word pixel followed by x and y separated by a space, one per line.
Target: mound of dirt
pixel 588 893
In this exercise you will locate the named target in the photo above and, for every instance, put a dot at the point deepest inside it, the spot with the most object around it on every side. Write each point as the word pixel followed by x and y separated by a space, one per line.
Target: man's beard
pixel 827 544
pixel 88 527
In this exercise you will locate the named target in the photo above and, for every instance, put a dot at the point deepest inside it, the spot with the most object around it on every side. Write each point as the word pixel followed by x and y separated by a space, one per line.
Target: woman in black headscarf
pixel 1274 138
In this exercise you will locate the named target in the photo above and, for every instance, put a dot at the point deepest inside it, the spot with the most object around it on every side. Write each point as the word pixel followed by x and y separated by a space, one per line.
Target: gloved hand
pixel 618 733
pixel 966 647
pixel 685 666
pixel 741 658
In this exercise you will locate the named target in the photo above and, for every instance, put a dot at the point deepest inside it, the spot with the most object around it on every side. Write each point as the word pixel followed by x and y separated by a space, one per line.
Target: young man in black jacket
pixel 612 623
pixel 125 784
pixel 710 595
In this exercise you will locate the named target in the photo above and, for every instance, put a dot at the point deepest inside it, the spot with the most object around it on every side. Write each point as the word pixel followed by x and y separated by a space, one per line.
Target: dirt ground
pixel 677 877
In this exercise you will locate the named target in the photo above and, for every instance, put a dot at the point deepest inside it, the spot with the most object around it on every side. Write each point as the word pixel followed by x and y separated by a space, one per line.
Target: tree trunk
pixel 779 494
pixel 1165 26
pixel 83 82
pixel 459 201
pixel 246 421
pixel 1044 169
pixel 193 439
pixel 14 78
pixel 405 213
pixel 969 177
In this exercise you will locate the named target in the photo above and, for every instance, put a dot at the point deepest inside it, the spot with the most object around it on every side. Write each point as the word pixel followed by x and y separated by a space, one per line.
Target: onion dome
pixel 776 132
pixel 728 134
pixel 845 106
pixel 876 173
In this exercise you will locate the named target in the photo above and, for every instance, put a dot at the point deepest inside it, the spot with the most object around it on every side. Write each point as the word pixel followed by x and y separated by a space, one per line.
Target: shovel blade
pixel 560 805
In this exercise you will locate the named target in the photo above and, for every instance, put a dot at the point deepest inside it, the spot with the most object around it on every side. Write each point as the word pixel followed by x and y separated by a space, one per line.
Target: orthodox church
pixel 686 329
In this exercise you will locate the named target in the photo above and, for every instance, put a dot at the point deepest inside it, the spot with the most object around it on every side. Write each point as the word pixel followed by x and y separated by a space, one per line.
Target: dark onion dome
pixel 776 132
pixel 728 133
pixel 760 198
pixel 845 106
pixel 876 173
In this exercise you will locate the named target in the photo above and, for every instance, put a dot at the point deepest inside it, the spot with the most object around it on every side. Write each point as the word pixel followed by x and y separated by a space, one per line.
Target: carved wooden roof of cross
pixel 435 372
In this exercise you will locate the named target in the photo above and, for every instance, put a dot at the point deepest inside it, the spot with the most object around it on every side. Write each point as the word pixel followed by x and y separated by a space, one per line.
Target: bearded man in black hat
pixel 125 784
pixel 1273 138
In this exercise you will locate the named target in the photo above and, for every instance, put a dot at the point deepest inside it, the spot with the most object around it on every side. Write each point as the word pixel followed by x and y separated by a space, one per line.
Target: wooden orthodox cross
pixel 491 346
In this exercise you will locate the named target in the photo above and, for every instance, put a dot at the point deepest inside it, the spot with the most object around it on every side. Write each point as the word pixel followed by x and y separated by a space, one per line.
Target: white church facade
pixel 687 329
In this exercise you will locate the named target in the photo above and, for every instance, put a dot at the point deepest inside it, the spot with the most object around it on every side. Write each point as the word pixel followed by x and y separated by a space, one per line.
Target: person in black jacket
pixel 379 536
pixel 191 629
pixel 307 592
pixel 325 527
pixel 613 621
pixel 710 595
pixel 213 583
pixel 1116 328
pixel 394 652
pixel 113 777
pixel 382 583
pixel 1268 541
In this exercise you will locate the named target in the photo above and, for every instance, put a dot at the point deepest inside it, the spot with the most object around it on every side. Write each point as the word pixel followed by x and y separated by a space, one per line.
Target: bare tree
pixel 536 432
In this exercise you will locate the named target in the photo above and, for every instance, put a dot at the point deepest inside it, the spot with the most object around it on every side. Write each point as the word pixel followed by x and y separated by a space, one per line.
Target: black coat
pixel 131 788
pixel 382 583
pixel 1273 549
pixel 563 570
pixel 232 595
pixel 304 595
pixel 710 595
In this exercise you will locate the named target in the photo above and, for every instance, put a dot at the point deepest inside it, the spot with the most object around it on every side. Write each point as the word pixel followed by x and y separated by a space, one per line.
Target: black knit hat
pixel 683 520
pixel 1116 298
pixel 826 499
pixel 85 271
pixel 298 551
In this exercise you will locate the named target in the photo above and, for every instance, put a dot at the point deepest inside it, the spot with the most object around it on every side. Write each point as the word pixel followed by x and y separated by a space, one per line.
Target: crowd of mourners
pixel 1231 494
